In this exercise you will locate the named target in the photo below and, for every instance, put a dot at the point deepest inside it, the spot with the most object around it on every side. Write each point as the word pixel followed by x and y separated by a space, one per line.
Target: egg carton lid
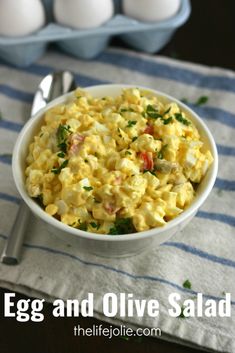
pixel 116 25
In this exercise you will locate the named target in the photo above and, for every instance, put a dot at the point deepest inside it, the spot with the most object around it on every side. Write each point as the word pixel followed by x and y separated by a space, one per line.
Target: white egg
pixel 21 17
pixel 83 13
pixel 150 10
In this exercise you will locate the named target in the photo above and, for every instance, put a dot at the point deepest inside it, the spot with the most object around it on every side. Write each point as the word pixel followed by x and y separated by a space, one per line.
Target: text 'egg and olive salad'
pixel 116 165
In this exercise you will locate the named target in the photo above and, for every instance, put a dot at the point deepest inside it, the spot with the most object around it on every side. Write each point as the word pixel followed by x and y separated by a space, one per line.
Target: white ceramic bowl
pixel 108 245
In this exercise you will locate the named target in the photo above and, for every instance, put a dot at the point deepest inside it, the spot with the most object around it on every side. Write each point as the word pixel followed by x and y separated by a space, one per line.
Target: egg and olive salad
pixel 116 165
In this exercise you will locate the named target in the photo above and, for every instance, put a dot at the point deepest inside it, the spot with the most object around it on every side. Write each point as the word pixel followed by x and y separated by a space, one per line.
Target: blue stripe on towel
pixel 16 93
pixel 225 150
pixel 151 68
pixel 81 80
pixel 10 125
pixel 43 70
pixel 201 253
pixel 227 219
pixel 171 72
pixel 5 159
pixel 228 185
pixel 10 198
pixel 212 113
pixel 215 114
pixel 118 271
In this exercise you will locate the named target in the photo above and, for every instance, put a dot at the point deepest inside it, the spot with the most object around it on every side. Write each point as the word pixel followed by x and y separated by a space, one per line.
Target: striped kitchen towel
pixel 203 252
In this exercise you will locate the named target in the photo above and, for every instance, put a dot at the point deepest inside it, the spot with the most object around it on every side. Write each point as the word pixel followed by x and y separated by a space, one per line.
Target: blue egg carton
pixel 88 43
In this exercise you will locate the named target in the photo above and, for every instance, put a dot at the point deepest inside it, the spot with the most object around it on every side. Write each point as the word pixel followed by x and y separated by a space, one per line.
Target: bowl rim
pixel 107 237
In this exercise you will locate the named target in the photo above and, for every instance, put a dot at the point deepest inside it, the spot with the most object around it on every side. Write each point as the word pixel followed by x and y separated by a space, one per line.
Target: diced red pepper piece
pixel 149 130
pixel 76 141
pixel 147 158
pixel 110 207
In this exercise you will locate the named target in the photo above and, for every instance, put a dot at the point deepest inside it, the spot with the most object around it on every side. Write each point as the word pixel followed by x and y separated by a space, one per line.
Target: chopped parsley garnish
pixel 187 284
pixel 184 100
pixel 122 226
pixel 149 171
pixel 88 188
pixel 39 200
pixel 128 152
pixel 134 138
pixel 181 315
pixel 96 201
pixel 167 121
pixel 58 170
pixel 62 134
pixel 202 100
pixel 61 154
pixel 167 111
pixel 95 225
pixel 152 112
pixel 181 119
pixel 63 146
pixel 161 153
pixel 124 110
pixel 82 226
pixel 126 338
pixel 131 123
